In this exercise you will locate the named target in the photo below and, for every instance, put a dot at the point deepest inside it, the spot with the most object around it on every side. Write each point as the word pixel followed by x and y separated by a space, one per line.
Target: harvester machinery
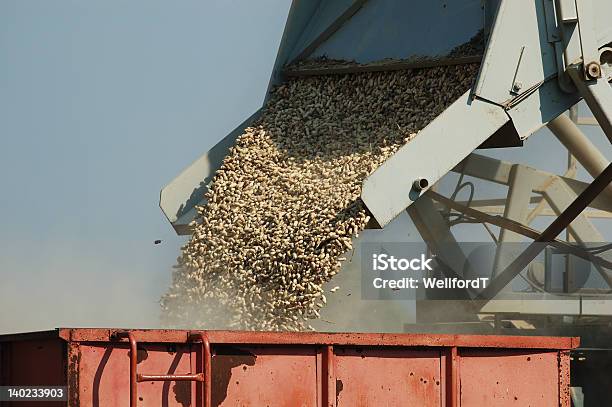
pixel 541 59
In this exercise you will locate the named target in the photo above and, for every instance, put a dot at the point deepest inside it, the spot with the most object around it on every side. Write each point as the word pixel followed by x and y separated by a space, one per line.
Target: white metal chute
pixel 438 148
pixel 360 31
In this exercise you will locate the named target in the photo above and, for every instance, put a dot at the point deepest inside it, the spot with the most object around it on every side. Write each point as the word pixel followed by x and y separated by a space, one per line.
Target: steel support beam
pixel 516 227
pixel 580 147
pixel 497 171
pixel 436 233
pixel 598 96
pixel 549 234
pixel 517 208
pixel 581 229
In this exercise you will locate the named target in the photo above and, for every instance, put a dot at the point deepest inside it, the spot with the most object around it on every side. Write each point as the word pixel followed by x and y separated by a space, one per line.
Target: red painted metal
pixel 100 367
pixel 204 390
pixel 519 378
pixel 452 376
pixel 388 377
pixel 198 377
pixel 329 378
pixel 133 365
pixel 136 377
pixel 102 370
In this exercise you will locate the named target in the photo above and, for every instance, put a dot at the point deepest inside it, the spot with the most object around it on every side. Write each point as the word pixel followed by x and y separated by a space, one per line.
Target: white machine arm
pixel 453 135
pixel 534 48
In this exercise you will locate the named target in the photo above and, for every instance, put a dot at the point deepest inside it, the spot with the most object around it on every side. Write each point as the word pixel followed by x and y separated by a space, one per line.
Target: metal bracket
pixel 588 39
pixel 598 96
pixel 517 84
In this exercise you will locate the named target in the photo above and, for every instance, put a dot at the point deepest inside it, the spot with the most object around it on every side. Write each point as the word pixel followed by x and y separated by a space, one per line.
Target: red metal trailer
pixel 113 367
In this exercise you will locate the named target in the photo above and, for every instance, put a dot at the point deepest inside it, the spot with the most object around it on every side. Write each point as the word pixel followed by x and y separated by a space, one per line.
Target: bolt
pixel 594 70
pixel 517 86
pixel 420 184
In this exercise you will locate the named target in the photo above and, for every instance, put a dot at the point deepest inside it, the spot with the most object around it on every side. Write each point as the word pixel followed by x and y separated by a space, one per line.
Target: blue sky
pixel 101 104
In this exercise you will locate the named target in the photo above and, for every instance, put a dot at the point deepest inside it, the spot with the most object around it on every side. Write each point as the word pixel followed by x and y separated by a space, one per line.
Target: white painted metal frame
pixel 517 82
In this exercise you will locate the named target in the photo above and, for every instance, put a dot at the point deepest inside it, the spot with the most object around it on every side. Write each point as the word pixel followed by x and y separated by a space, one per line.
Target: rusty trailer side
pixel 178 368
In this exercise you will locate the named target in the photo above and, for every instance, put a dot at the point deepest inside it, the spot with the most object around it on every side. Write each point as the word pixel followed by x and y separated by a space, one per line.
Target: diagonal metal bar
pixel 351 68
pixel 330 30
pixel 570 173
pixel 519 228
pixel 549 234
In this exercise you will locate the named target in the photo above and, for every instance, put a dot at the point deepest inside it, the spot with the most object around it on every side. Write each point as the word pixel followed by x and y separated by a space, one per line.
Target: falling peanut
pixel 284 206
